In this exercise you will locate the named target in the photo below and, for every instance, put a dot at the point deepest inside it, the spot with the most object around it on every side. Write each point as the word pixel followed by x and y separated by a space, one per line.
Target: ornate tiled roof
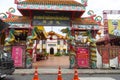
pixel 52 2
pixel 58 35
pixel 18 19
pixel 41 28
pixel 25 19
pixel 83 21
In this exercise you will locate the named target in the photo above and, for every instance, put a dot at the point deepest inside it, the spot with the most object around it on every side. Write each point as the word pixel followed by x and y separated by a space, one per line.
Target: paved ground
pixel 67 71
pixel 97 78
pixel 50 66
pixel 66 77
pixel 53 62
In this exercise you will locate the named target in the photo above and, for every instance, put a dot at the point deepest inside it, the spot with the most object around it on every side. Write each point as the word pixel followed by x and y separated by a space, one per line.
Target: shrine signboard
pixel 17 52
pixel 82 57
pixel 51 21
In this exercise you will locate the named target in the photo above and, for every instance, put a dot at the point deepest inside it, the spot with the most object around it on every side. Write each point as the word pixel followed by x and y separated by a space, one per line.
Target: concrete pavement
pixel 68 71
pixel 96 78
pixel 50 66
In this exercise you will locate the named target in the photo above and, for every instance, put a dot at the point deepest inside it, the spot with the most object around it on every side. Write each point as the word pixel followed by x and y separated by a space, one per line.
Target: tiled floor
pixel 53 62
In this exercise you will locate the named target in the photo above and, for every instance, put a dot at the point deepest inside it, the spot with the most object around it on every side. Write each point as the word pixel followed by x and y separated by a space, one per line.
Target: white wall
pixel 99 60
pixel 54 42
pixel 114 62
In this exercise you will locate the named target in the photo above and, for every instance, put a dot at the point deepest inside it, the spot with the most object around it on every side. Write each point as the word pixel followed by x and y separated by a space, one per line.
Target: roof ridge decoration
pixel 84 2
pixel 18 1
pixel 84 21
pixel 18 19
pixel 53 2
pixel 8 14
pixel 67 5
pixel 94 17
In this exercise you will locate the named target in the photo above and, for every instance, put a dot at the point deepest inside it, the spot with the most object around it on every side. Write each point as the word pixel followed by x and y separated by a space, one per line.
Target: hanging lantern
pixel 51 33
pixel 51 38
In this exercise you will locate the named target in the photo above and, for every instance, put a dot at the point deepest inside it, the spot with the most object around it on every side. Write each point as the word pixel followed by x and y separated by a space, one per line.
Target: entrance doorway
pixel 53 61
pixel 51 51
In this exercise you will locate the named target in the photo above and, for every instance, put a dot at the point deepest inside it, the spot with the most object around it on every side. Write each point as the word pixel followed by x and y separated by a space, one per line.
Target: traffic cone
pixel 76 75
pixel 59 74
pixel 36 77
pixel 36 68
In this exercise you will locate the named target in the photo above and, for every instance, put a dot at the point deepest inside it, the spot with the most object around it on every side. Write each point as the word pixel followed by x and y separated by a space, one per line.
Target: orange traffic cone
pixel 36 68
pixel 76 75
pixel 36 77
pixel 59 74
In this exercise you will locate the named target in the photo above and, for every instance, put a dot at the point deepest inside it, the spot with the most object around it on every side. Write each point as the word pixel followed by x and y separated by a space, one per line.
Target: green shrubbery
pixel 66 54
pixel 46 54
pixel 58 54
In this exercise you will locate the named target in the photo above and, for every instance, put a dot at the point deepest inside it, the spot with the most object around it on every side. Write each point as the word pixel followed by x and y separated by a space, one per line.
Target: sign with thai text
pixel 51 21
pixel 86 26
pixel 19 25
pixel 51 44
pixel 17 52
pixel 82 57
pixel 51 17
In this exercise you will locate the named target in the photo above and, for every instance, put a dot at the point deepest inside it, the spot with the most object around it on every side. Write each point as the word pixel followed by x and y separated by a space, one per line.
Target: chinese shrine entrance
pixel 51 51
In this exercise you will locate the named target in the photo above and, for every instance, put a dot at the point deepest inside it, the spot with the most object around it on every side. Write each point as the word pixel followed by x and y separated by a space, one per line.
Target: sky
pixel 96 5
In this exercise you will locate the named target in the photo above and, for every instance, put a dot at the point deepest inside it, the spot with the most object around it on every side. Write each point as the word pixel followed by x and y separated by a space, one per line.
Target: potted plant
pixel 46 54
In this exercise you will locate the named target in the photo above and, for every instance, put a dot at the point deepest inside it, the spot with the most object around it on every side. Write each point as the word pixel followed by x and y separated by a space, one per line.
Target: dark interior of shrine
pixel 21 35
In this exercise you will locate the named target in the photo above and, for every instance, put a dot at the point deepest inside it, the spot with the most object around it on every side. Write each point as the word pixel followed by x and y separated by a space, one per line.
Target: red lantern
pixel 51 38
